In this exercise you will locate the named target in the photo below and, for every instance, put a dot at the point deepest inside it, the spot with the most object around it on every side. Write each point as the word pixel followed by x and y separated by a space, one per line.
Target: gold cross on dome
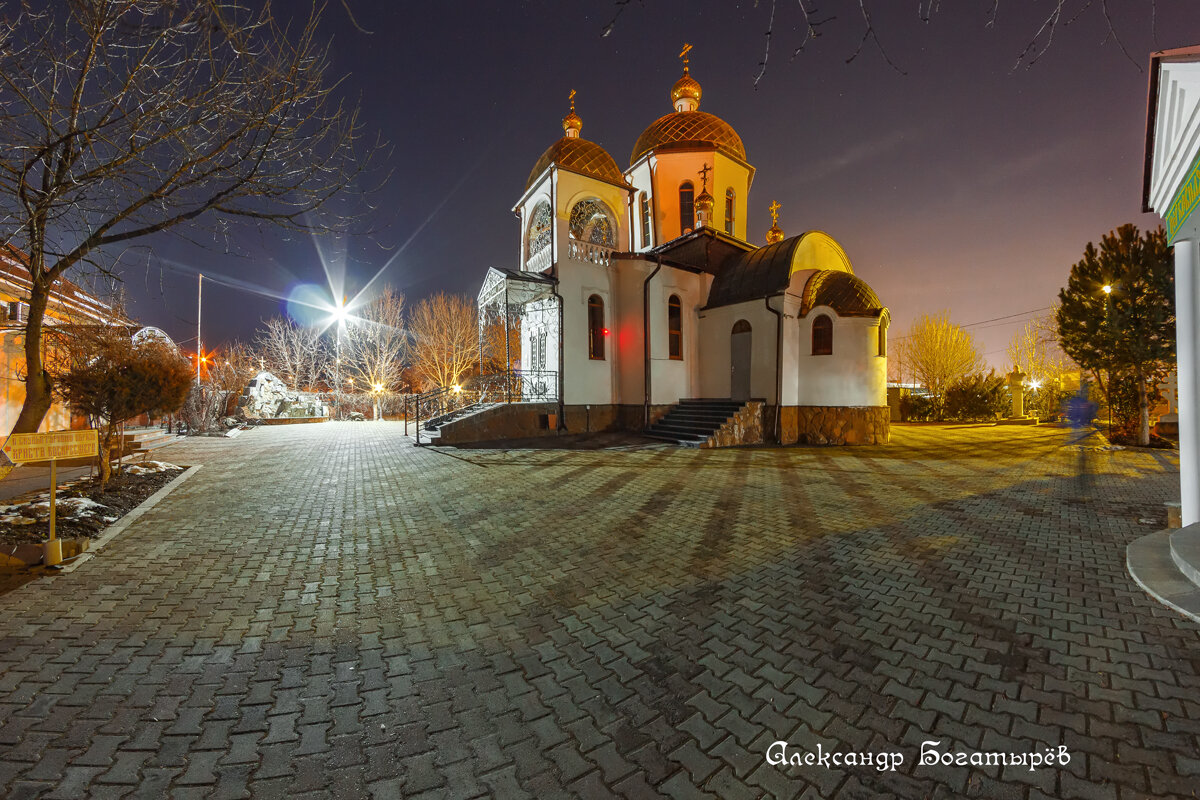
pixel 703 173
pixel 571 97
pixel 774 207
pixel 684 55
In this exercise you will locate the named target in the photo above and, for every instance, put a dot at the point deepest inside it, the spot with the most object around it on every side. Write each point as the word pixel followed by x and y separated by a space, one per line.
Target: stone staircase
pixel 143 440
pixel 431 429
pixel 695 422
pixel 1167 565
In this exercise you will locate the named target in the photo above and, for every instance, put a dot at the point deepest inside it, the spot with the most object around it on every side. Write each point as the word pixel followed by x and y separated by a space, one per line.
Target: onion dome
pixel 774 233
pixel 572 124
pixel 686 89
pixel 578 155
pixel 688 127
pixel 704 209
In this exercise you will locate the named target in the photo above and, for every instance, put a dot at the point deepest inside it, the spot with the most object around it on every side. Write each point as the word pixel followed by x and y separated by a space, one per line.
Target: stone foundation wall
pixel 746 427
pixel 834 425
pixel 508 421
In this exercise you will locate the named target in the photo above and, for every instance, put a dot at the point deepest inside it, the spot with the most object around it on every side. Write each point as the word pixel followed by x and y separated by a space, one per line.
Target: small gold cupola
pixel 775 233
pixel 571 123
pixel 705 202
pixel 685 94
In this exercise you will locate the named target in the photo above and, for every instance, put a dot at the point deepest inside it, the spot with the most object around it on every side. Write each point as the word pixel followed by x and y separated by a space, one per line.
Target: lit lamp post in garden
pixel 339 319
pixel 1108 289
pixel 376 393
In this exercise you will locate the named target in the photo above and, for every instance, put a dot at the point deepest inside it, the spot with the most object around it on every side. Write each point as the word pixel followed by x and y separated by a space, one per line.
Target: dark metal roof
pixel 767 272
pixel 706 250
pixel 761 273
pixel 846 294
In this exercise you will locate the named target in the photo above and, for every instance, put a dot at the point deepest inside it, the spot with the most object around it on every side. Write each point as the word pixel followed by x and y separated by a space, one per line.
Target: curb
pixel 118 527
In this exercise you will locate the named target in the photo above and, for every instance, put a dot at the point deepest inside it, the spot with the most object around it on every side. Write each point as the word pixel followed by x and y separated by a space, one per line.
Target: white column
pixel 1187 334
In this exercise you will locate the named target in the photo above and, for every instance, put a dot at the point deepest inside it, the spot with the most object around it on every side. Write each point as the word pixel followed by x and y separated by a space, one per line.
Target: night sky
pixel 962 185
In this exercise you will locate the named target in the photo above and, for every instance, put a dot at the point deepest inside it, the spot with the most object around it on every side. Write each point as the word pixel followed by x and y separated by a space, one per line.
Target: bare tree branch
pixel 121 119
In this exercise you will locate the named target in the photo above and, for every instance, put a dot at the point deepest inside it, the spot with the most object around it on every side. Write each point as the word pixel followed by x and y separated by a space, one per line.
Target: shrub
pixel 977 397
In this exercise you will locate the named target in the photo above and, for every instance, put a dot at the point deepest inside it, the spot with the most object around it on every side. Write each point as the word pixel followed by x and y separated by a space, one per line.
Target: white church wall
pixel 853 375
pixel 587 380
pixel 640 176
pixel 675 378
pixel 716 327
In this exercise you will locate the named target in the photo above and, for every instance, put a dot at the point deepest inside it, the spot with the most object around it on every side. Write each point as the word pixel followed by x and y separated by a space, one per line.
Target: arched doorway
pixel 740 355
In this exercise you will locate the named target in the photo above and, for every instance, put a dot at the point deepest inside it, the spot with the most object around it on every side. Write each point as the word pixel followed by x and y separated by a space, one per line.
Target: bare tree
pixel 294 353
pixel 1035 350
pixel 936 353
pixel 125 118
pixel 811 23
pixel 375 345
pixel 445 344
pixel 375 342
pixel 232 367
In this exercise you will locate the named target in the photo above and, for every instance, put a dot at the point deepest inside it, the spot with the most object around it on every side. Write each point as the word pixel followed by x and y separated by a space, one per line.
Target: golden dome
pixel 774 233
pixel 581 156
pixel 685 129
pixel 687 86
pixel 572 122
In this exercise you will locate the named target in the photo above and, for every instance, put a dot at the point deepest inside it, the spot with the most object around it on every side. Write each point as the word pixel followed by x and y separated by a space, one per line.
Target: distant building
pixel 68 303
pixel 637 288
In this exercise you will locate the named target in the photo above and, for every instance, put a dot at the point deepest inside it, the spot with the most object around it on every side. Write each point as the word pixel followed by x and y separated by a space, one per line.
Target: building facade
pixel 636 288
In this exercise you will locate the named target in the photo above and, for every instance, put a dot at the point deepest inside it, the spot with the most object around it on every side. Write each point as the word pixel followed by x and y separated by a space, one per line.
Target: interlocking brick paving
pixel 325 611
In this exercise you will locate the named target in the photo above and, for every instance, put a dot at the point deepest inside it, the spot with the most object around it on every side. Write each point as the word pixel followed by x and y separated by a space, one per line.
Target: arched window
pixel 687 207
pixel 729 198
pixel 592 222
pixel 539 228
pixel 596 329
pixel 645 209
pixel 675 327
pixel 822 336
pixel 883 336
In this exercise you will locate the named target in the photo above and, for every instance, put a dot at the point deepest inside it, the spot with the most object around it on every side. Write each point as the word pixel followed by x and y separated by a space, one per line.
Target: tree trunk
pixel 106 442
pixel 1143 410
pixel 37 380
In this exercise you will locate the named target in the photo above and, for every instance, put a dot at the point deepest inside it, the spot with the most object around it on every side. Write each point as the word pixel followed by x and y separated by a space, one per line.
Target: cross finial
pixel 774 212
pixel 703 173
pixel 684 55
pixel 571 97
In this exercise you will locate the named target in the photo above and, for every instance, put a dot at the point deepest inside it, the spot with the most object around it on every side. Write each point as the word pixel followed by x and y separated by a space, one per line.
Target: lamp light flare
pixel 1107 288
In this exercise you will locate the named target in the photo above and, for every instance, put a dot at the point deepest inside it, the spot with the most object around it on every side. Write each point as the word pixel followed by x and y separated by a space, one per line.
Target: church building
pixel 641 305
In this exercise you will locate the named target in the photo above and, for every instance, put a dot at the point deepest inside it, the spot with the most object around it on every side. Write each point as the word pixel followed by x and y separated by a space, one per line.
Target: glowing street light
pixel 1107 288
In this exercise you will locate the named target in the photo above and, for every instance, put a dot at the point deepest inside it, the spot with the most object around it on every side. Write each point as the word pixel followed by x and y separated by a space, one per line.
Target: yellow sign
pixel 22 448
pixel 1183 202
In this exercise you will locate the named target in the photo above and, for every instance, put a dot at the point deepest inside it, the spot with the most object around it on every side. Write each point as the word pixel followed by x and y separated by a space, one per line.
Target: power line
pixel 993 319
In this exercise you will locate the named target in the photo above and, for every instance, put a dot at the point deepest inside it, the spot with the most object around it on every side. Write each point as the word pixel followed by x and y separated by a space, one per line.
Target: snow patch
pixel 150 467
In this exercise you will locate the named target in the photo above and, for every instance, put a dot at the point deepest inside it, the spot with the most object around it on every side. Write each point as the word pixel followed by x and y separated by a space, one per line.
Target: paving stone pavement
pixel 325 611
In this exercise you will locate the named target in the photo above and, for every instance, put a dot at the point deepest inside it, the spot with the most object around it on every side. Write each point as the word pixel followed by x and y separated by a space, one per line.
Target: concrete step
pixel 1168 568
pixel 1185 552
pixel 662 437
pixel 669 427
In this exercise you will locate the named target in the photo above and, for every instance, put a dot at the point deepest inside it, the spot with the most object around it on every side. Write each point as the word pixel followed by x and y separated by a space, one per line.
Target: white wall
pixel 853 375
pixel 716 326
